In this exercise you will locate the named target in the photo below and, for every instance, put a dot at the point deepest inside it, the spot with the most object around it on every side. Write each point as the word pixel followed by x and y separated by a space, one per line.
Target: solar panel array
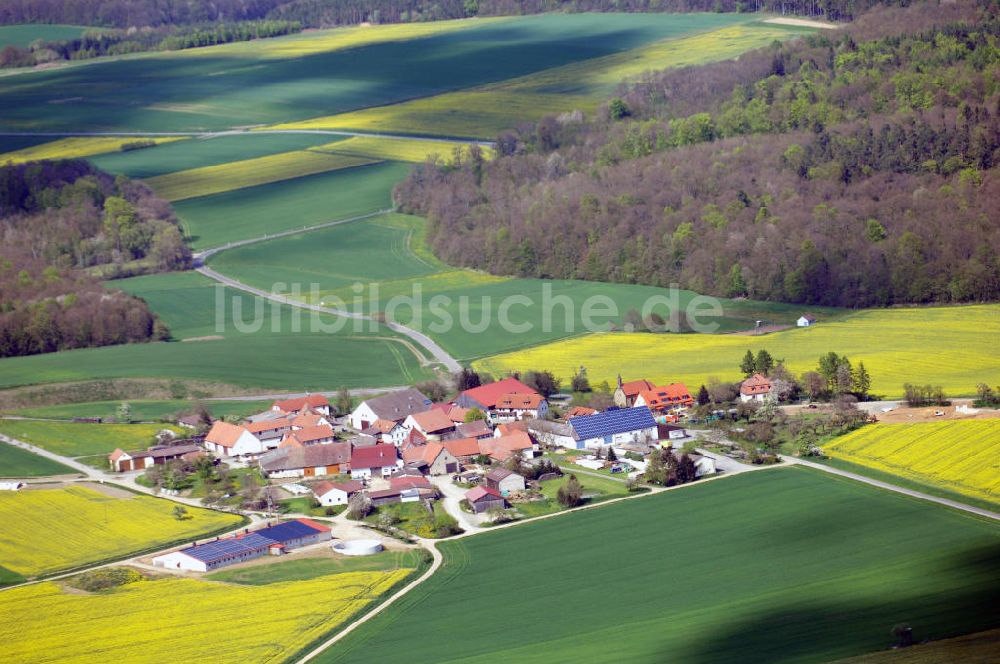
pixel 228 548
pixel 611 422
pixel 290 530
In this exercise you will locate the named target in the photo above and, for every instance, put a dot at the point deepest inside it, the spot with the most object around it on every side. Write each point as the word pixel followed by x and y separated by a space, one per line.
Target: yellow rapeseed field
pixel 48 530
pixel 81 146
pixel 249 172
pixel 181 619
pixel 398 149
pixel 954 347
pixel 962 455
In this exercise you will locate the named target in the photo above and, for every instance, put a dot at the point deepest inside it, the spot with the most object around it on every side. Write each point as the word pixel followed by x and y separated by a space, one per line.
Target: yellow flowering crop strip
pixel 959 455
pixel 954 347
pixel 48 530
pixel 398 149
pixel 81 146
pixel 181 619
pixel 249 172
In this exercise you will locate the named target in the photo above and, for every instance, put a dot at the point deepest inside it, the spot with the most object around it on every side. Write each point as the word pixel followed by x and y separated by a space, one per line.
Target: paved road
pixel 439 354
pixel 451 497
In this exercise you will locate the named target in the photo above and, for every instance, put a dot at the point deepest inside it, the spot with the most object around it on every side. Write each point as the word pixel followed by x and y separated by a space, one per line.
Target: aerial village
pixel 479 459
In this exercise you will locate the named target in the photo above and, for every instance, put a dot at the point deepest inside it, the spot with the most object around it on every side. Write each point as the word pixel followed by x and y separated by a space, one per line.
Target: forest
pixel 856 168
pixel 62 225
pixel 326 13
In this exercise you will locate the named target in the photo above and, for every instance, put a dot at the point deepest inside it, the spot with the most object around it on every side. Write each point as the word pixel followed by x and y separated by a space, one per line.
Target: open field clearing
pixel 249 173
pixel 200 152
pixel 398 149
pixel 265 572
pixel 143 409
pixel 272 356
pixel 23 35
pixel 210 221
pixel 47 530
pixel 239 85
pixel 978 648
pixel 485 111
pixel 80 146
pixel 16 462
pixel 79 439
pixel 180 616
pixel 391 251
pixel 953 347
pixel 960 456
pixel 832 566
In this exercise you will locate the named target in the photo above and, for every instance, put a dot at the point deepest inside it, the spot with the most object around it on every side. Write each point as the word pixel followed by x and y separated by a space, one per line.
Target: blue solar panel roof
pixel 220 549
pixel 611 422
pixel 283 532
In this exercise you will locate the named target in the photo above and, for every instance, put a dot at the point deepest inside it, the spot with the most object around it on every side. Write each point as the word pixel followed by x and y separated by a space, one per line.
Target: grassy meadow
pixel 961 456
pixel 78 147
pixel 75 439
pixel 91 526
pixel 820 568
pixel 272 356
pixel 399 149
pixel 143 409
pixel 22 35
pixel 16 462
pixel 241 85
pixel 311 568
pixel 211 221
pixel 181 616
pixel 948 346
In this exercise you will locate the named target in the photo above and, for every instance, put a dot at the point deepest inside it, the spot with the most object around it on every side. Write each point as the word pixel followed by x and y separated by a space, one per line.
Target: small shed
pixel 806 320
pixel 505 481
pixel 483 499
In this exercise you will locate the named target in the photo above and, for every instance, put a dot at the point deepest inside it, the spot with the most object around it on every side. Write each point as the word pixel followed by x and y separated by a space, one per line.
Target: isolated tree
pixel 844 378
pixel 813 383
pixel 359 506
pixel 580 382
pixel 124 412
pixel 543 381
pixel 599 453
pixel 466 379
pixel 570 494
pixel 670 463
pixel 343 403
pixel 686 470
pixel 618 109
pixel 611 454
pixel 749 365
pixel 764 362
pixel 655 470
pixel 703 397
pixel 474 414
pixel 861 382
pixel 180 513
pixel 433 390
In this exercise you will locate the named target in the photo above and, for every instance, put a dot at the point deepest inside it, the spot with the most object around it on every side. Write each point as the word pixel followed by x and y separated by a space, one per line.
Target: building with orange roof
pixel 518 406
pixel 626 393
pixel 231 440
pixel 431 423
pixel 316 402
pixel 485 397
pixel 579 411
pixel 464 449
pixel 755 388
pixel 432 458
pixel 665 399
pixel 387 431
pixel 504 447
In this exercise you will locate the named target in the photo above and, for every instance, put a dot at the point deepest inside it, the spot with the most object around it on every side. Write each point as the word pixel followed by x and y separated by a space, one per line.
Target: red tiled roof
pixel 375 456
pixel 432 421
pixel 463 447
pixel 348 487
pixel 633 387
pixel 477 493
pixel 668 395
pixel 306 420
pixel 382 426
pixel 309 434
pixel 755 384
pixel 401 483
pixel 579 411
pixel 268 425
pixel 427 452
pixel 224 434
pixel 295 405
pixel 314 524
pixel 511 427
pixel 489 394
pixel 501 448
pixel 520 401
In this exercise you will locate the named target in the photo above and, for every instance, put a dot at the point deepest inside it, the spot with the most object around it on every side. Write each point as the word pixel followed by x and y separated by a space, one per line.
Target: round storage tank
pixel 364 547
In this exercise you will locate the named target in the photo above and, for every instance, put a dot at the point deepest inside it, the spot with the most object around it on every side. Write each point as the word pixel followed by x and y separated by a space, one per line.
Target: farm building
pixel 317 435
pixel 395 406
pixel 474 429
pixel 614 427
pixel 553 434
pixel 464 449
pixel 270 432
pixel 806 320
pixel 482 499
pixel 312 461
pixel 230 440
pixel 122 461
pixel 504 481
pixel 579 411
pixel 314 402
pixel 755 388
pixel 387 431
pixel 671 432
pixel 512 407
pixel 375 461
pixel 308 419
pixel 503 447
pixel 485 397
pixel 336 493
pixel 665 399
pixel 432 424
pixel 272 540
pixel 432 458
pixel 626 393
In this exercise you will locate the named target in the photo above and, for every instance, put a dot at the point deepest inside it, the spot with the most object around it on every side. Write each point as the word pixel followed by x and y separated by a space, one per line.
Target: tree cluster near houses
pixel 60 221
pixel 851 130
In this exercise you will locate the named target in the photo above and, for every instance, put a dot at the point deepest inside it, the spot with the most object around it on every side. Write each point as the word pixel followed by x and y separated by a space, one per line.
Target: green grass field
pixel 22 35
pixel 16 462
pixel 948 346
pixel 143 409
pixel 391 252
pixel 776 565
pixel 201 152
pixel 78 439
pixel 311 568
pixel 264 358
pixel 214 220
pixel 7 577
pixel 230 85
